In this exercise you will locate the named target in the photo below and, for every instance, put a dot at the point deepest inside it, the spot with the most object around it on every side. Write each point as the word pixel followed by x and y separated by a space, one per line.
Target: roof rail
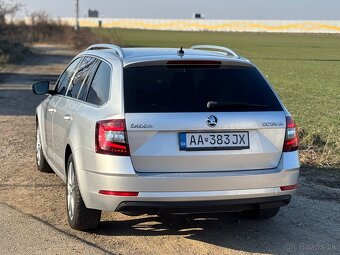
pixel 116 48
pixel 218 49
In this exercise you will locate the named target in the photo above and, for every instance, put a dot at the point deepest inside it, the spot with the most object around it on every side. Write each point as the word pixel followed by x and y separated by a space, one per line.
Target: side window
pixel 66 77
pixel 86 84
pixel 80 76
pixel 100 86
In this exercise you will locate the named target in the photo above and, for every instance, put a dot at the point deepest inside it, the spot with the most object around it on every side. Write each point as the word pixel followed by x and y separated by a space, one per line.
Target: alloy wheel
pixel 71 190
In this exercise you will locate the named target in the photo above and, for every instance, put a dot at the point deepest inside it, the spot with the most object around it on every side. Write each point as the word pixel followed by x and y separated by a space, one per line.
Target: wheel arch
pixel 68 152
pixel 39 123
pixel 79 175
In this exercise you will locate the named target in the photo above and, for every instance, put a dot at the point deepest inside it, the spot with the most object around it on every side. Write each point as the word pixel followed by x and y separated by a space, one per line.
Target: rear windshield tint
pixel 153 89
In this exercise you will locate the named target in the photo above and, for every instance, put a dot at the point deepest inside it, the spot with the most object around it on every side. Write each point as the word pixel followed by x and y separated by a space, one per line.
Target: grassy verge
pixel 303 68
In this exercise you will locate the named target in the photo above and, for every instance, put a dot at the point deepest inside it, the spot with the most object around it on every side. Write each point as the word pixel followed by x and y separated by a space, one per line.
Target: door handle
pixel 67 117
pixel 51 110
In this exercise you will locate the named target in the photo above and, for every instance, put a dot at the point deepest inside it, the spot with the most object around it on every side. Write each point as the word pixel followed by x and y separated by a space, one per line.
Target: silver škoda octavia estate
pixel 155 130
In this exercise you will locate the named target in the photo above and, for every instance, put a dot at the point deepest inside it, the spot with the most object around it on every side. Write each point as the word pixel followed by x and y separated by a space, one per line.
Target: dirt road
pixel 309 225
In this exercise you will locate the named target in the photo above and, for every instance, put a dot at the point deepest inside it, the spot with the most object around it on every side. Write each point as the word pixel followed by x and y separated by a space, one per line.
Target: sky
pixel 184 9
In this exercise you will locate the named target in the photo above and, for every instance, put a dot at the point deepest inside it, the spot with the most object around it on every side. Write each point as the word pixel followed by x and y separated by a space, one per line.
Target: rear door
pixel 201 118
pixel 66 108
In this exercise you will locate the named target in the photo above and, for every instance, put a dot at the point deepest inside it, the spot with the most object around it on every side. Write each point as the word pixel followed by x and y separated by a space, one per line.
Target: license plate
pixel 214 141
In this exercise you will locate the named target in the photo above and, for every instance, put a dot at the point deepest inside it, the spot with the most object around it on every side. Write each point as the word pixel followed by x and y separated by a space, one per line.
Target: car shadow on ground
pixel 226 230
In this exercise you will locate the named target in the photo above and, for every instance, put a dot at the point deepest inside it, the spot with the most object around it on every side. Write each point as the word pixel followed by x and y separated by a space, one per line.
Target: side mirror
pixel 41 87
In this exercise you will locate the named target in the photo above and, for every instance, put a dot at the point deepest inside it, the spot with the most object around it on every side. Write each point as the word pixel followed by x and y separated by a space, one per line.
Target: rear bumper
pixel 203 206
pixel 194 190
pixel 117 174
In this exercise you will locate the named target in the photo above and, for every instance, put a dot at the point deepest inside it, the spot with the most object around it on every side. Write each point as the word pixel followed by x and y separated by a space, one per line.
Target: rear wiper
pixel 226 105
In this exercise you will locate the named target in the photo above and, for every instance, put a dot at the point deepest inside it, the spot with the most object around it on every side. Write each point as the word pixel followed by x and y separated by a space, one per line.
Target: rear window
pixel 152 89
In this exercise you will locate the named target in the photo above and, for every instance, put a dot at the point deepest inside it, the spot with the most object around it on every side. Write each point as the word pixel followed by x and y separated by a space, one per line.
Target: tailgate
pixel 155 141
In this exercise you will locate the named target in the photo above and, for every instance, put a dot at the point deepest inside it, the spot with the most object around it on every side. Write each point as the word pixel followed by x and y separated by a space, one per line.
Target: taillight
pixel 292 137
pixel 111 137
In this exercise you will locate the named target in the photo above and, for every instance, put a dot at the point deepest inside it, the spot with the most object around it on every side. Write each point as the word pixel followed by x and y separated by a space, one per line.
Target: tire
pixel 79 216
pixel 262 213
pixel 42 164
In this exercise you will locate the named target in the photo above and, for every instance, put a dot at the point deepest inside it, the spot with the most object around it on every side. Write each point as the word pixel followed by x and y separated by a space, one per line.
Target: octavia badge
pixel 211 121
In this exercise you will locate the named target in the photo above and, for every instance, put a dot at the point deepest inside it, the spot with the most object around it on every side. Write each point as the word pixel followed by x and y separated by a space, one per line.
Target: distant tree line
pixel 8 7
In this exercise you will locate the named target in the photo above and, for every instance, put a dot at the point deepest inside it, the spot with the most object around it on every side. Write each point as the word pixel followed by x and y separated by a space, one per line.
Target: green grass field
pixel 303 68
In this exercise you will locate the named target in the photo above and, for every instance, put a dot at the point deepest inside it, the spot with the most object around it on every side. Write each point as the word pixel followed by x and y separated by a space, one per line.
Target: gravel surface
pixel 33 212
pixel 24 234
